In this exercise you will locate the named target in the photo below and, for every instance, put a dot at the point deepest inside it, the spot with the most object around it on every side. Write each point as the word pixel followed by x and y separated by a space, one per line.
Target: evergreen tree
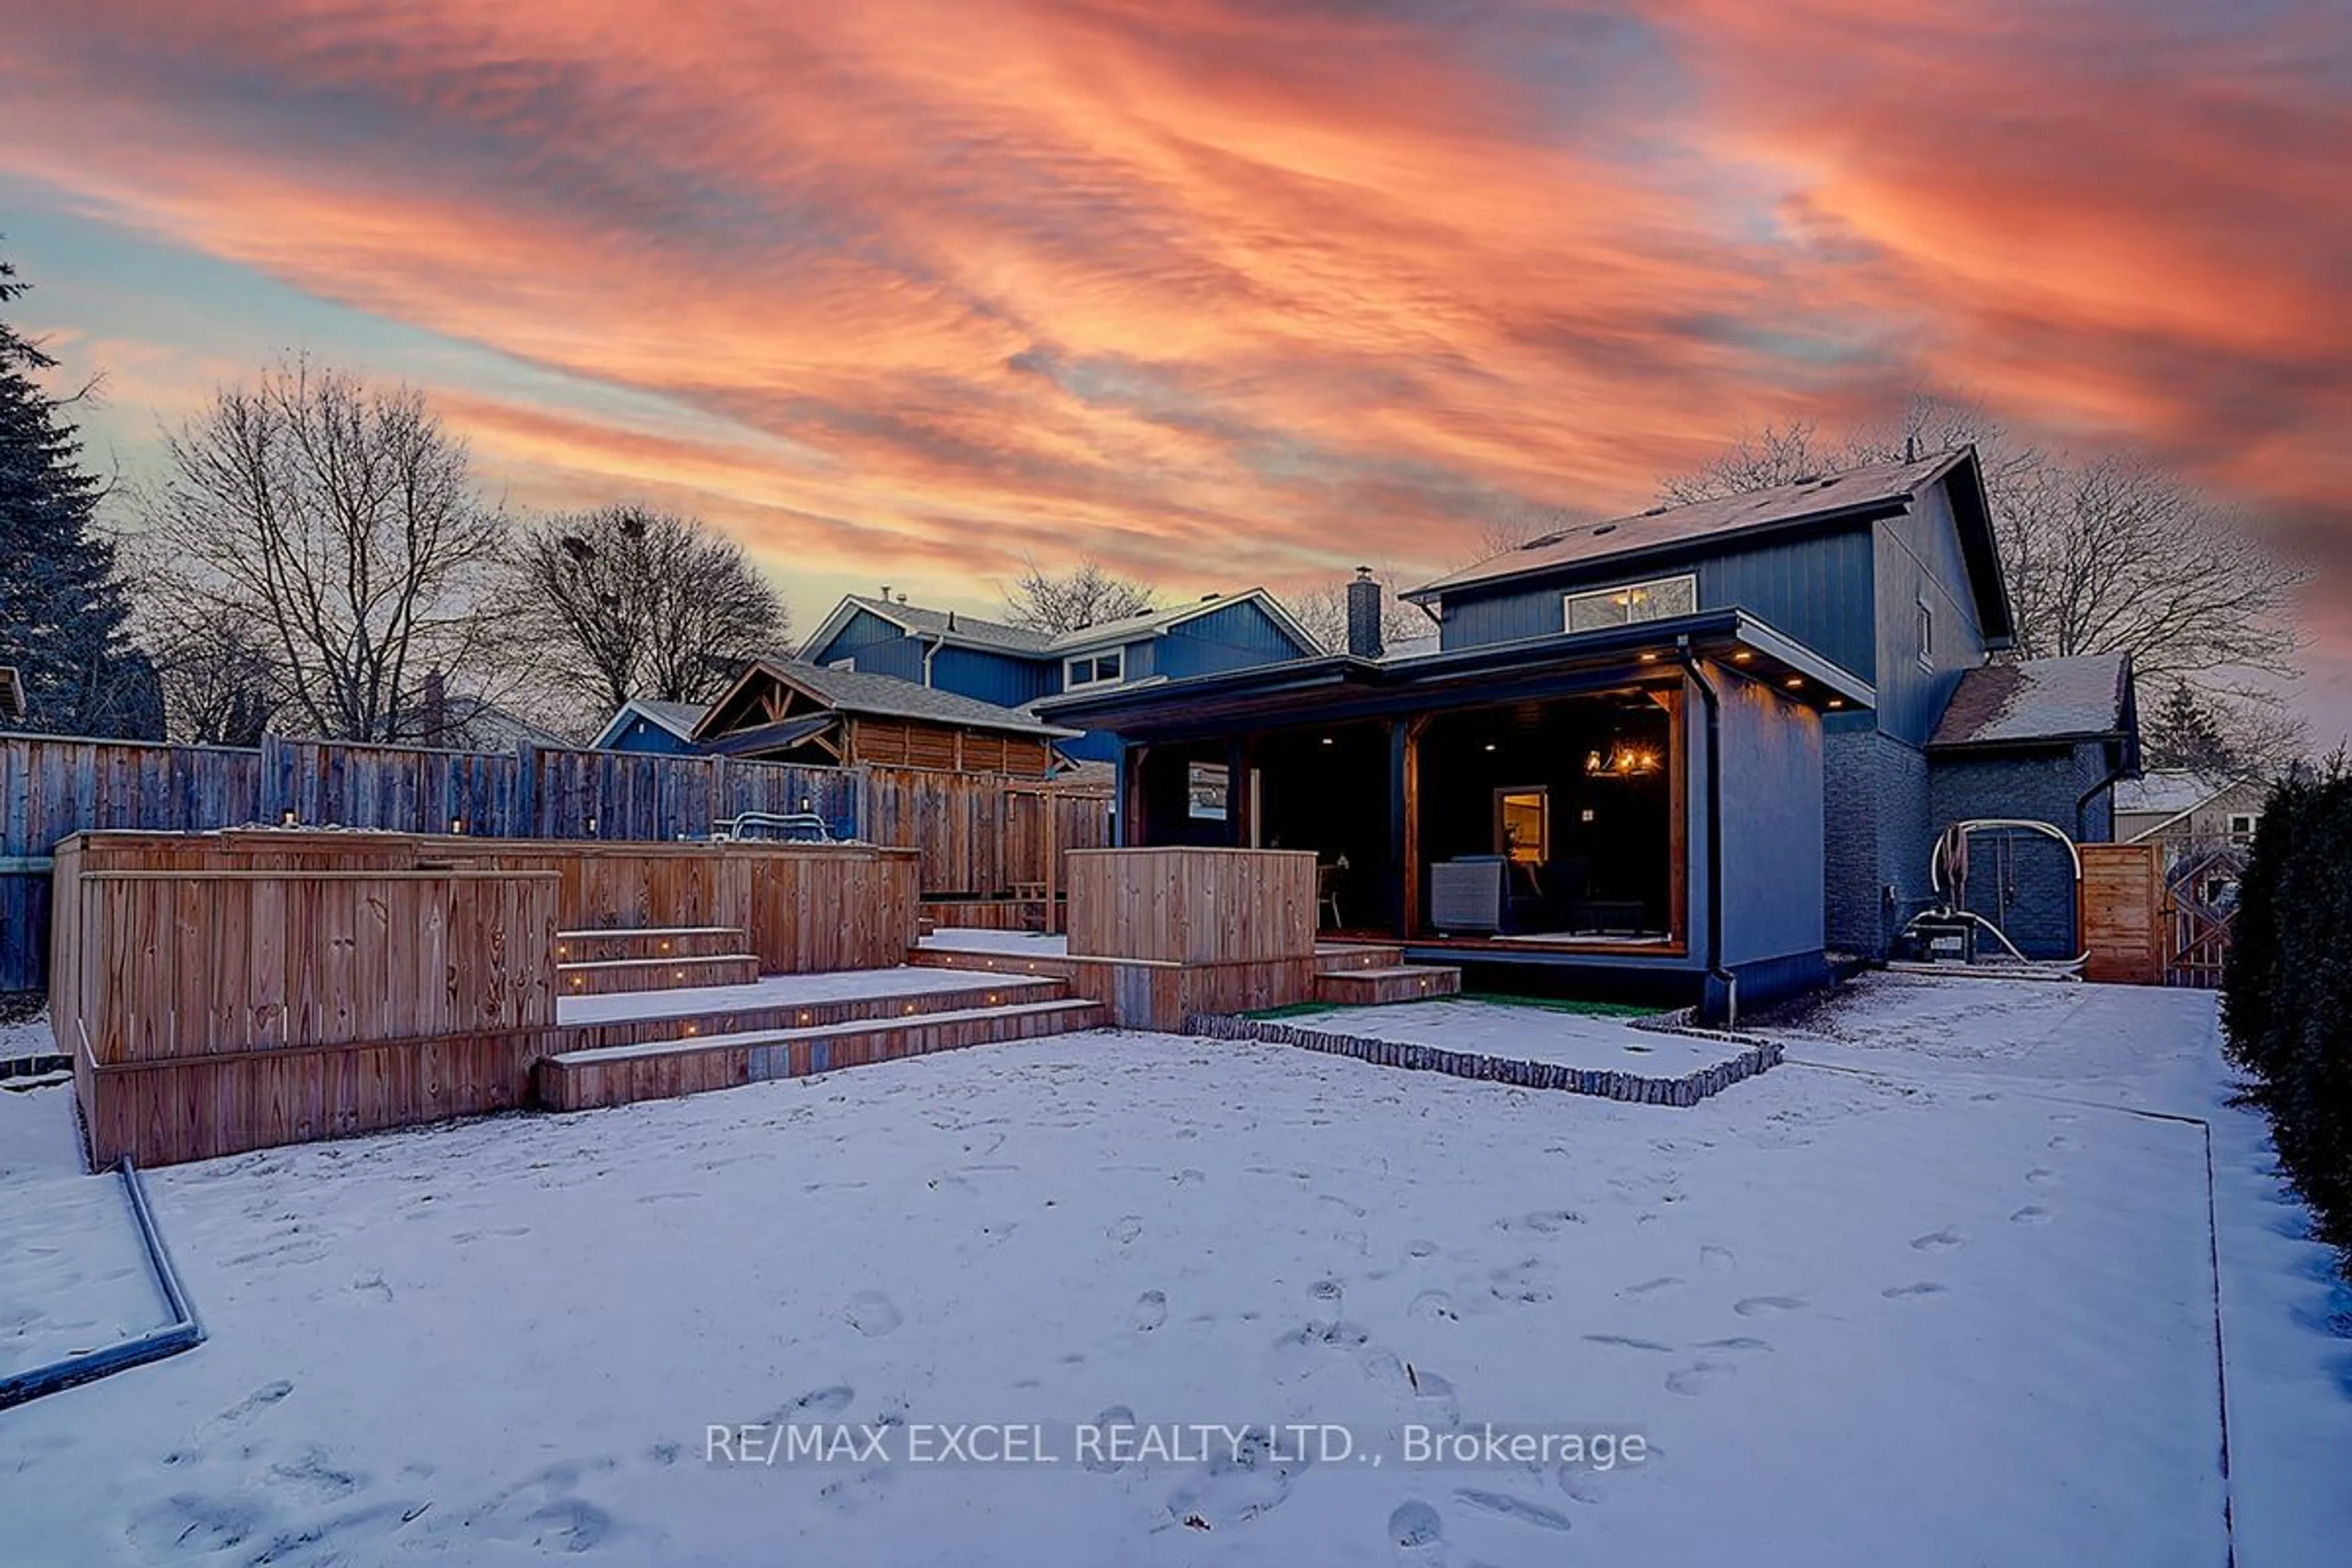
pixel 2184 732
pixel 62 607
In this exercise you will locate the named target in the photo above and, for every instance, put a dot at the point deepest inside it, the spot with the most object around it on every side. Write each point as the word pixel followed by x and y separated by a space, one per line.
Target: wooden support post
pixel 1238 751
pixel 1404 824
pixel 1049 803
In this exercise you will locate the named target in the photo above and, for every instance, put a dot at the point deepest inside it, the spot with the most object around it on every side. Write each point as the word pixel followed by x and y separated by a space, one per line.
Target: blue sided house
pixel 1695 750
pixel 1013 667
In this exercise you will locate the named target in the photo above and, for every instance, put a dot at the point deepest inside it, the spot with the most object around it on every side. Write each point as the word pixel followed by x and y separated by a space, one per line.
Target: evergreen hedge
pixel 2287 989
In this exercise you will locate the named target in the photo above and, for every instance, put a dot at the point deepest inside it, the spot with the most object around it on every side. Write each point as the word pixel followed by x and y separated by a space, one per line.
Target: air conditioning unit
pixel 1467 894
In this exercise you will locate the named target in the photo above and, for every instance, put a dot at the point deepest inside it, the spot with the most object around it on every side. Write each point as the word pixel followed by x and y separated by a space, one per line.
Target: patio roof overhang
pixel 1340 686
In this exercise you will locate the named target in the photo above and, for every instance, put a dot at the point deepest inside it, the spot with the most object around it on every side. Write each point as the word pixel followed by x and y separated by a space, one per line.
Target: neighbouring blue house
pixel 646 724
pixel 1703 748
pixel 1013 666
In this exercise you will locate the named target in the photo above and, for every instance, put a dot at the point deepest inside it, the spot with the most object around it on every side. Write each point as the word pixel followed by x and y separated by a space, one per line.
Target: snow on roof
pixel 969 628
pixel 2079 698
pixel 976 631
pixel 2170 791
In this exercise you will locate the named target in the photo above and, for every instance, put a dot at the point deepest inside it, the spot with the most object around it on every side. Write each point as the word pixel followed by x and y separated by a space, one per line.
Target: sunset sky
pixel 1223 291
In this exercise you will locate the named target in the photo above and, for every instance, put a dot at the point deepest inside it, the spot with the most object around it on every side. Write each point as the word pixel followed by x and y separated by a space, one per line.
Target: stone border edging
pixel 1603 1083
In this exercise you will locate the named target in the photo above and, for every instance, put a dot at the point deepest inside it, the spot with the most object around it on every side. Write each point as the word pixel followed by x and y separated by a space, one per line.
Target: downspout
pixel 1719 994
pixel 930 652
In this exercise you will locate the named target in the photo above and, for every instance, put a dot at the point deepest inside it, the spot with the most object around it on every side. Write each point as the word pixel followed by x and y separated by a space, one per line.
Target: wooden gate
pixel 2200 906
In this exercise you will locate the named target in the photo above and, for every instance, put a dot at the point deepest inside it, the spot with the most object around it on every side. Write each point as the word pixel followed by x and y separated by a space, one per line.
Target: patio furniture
pixel 1326 895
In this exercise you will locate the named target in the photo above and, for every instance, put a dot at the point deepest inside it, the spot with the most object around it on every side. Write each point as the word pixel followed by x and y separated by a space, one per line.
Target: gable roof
pixel 1851 495
pixel 678 718
pixel 958 629
pixel 882 696
pixel 2084 697
pixel 11 693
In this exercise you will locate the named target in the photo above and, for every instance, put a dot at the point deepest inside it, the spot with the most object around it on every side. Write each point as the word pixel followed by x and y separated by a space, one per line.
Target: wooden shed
pixel 789 711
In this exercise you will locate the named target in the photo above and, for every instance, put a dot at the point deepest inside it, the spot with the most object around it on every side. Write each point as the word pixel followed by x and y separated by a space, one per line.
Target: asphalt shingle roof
pixel 1778 507
pixel 858 691
pixel 2038 699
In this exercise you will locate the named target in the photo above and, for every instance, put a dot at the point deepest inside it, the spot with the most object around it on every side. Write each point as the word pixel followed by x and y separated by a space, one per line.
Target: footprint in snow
pixel 1326 1291
pixel 1150 1311
pixel 1114 1415
pixel 1735 1342
pixel 1698 1378
pixel 2063 1144
pixel 1751 1306
pixel 1662 1282
pixel 2032 1213
pixel 1720 1258
pixel 1939 1241
pixel 1431 1304
pixel 1421 1250
pixel 1626 1342
pixel 1509 1507
pixel 2041 1176
pixel 1924 1287
pixel 872 1313
pixel 1415 1526
pixel 1125 1228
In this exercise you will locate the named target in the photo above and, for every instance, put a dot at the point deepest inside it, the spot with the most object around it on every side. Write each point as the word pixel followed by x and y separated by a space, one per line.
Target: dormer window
pixel 1107 668
pixel 1654 600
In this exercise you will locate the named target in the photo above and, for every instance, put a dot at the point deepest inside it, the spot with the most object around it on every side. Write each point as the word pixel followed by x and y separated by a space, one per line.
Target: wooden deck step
pixel 619 1074
pixel 1336 957
pixel 603 977
pixel 649 941
pixel 717 1014
pixel 1397 983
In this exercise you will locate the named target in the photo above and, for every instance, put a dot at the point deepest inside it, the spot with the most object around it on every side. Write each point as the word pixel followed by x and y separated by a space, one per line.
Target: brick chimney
pixel 1364 615
pixel 436 707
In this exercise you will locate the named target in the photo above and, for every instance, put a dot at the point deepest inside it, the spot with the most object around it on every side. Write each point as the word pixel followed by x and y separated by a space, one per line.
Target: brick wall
pixel 1876 835
pixel 2024 882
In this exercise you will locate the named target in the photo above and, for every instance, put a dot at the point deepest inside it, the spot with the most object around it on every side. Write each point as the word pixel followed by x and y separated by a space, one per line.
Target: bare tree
pixel 1323 611
pixel 336 526
pixel 219 683
pixel 632 603
pixel 1084 595
pixel 2108 554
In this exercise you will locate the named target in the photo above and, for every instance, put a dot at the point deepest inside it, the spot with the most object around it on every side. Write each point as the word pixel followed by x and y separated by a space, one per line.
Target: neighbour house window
pixel 1094 670
pixel 1627 602
pixel 2241 827
pixel 1927 636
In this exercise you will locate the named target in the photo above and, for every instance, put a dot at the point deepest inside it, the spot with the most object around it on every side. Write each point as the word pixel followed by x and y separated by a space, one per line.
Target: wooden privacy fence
pixel 236 990
pixel 2121 914
pixel 976 835
pixel 2145 924
pixel 1192 906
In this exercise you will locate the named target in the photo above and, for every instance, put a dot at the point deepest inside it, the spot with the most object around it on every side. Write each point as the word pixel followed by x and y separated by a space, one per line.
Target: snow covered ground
pixel 1935 1291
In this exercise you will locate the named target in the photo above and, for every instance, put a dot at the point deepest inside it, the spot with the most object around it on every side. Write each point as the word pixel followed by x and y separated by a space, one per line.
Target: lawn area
pixel 1934 1291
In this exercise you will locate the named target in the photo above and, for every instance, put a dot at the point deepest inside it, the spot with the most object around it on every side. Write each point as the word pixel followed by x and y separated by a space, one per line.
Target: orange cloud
pixel 1223 289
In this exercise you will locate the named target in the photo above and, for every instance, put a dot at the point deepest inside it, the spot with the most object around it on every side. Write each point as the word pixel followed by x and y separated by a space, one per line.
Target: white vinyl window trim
pixel 1106 668
pixel 1926 633
pixel 1625 604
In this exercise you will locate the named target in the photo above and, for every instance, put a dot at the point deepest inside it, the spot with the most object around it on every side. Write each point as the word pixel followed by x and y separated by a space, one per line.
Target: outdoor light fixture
pixel 1649 658
pixel 1327 739
pixel 286 818
pixel 592 826
pixel 1490 745
pixel 456 825
pixel 1837 701
pixel 1794 681
pixel 1623 761
pixel 1743 657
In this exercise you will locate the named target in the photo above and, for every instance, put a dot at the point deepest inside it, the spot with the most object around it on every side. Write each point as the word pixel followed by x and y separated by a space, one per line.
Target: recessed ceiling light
pixel 1742 657
pixel 1794 681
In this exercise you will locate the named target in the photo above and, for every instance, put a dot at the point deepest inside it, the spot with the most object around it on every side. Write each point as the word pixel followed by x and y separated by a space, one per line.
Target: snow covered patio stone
pixel 1943 1302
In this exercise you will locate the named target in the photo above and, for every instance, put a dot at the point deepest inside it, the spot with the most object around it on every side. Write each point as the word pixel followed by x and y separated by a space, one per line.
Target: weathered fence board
pixel 976 835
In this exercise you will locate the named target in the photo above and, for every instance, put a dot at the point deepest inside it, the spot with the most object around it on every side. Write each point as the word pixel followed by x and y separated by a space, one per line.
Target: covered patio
pixel 1570 801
